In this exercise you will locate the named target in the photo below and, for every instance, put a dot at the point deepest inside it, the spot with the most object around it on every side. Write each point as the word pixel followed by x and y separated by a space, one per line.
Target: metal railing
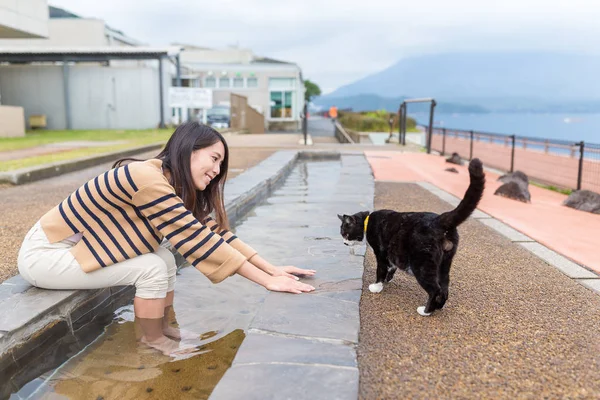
pixel 565 164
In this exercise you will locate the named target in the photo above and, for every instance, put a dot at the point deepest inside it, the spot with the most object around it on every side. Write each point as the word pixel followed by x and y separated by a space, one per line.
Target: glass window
pixel 281 83
pixel 287 105
pixel 282 104
pixel 276 104
pixel 224 82
pixel 210 82
pixel 252 82
pixel 238 82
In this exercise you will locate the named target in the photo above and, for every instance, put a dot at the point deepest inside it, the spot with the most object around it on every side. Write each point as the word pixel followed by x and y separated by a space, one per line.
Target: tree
pixel 312 90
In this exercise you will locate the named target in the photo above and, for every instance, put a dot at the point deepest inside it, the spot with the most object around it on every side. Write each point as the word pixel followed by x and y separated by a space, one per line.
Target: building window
pixel 252 82
pixel 210 82
pixel 282 83
pixel 224 82
pixel 282 104
pixel 238 82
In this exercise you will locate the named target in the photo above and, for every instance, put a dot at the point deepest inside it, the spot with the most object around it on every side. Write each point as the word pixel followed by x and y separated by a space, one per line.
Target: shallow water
pixel 117 366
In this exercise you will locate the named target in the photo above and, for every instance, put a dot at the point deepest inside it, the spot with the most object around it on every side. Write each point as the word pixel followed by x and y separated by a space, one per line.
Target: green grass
pixel 372 121
pixel 130 138
pixel 553 188
pixel 40 138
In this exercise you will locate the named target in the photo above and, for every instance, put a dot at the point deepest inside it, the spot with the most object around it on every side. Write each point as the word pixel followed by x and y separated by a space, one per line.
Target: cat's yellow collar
pixel 366 222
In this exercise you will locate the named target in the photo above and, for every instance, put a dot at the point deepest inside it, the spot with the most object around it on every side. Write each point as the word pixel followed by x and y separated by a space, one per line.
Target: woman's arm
pixel 273 283
pixel 288 271
pixel 251 255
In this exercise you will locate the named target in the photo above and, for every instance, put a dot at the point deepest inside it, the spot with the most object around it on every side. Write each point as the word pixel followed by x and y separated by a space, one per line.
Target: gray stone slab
pixel 17 281
pixel 478 214
pixel 22 308
pixel 285 381
pixel 359 250
pixel 428 186
pixel 566 266
pixel 505 230
pixel 311 316
pixel 350 295
pixel 6 291
pixel 593 284
pixel 264 348
pixel 448 198
pixel 323 284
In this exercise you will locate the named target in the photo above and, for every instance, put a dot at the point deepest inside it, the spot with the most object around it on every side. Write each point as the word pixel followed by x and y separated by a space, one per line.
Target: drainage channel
pixel 243 331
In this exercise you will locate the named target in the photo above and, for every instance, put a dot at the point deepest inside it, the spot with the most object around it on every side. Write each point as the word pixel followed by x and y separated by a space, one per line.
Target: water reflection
pixel 117 366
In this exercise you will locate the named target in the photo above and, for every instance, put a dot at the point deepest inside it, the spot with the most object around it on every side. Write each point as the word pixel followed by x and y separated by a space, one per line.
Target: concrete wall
pixel 100 97
pixel 23 18
pixel 67 32
pixel 239 56
pixel 38 89
pixel 245 117
pixel 114 98
pixel 12 121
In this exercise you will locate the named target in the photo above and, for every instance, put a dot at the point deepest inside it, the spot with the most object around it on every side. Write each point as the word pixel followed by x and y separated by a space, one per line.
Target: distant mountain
pixel 532 82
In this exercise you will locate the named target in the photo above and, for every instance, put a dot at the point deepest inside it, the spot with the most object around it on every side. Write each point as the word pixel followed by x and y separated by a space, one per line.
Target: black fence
pixel 565 164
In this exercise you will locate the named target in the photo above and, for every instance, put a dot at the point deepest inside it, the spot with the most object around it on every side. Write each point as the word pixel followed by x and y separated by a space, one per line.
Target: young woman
pixel 108 232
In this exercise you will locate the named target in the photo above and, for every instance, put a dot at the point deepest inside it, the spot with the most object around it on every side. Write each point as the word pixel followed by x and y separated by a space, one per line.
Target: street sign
pixel 190 97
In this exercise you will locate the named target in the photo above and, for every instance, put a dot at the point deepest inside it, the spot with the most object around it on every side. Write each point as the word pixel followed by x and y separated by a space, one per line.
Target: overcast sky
pixel 336 42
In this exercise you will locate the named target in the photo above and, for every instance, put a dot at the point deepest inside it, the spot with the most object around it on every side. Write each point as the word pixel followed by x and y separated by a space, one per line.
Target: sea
pixel 569 127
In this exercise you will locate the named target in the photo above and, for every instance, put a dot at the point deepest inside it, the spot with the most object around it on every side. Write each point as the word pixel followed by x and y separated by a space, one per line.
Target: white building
pixel 86 75
pixel 23 19
pixel 20 19
pixel 274 88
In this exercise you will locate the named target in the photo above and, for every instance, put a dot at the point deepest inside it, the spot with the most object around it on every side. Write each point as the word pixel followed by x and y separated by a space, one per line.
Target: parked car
pixel 218 117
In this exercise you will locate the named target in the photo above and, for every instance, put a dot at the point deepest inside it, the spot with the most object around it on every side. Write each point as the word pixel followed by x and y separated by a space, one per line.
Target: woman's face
pixel 205 164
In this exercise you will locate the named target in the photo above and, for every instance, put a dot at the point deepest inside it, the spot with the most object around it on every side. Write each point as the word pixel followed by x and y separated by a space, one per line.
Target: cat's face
pixel 352 229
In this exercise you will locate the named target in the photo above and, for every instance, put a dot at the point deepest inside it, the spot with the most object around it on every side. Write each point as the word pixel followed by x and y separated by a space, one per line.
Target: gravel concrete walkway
pixel 514 326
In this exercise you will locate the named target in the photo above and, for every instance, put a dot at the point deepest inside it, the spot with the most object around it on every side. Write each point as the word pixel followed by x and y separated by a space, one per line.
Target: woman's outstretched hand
pixel 285 284
pixel 291 271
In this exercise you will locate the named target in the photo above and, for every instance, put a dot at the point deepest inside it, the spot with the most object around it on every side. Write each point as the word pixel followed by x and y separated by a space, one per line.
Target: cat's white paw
pixel 421 311
pixel 376 287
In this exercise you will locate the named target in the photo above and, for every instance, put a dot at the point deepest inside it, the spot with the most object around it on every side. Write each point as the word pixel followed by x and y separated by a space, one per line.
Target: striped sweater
pixel 127 211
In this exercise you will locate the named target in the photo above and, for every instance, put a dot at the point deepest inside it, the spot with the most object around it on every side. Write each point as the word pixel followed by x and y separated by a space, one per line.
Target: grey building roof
pixel 92 54
pixel 55 12
pixel 267 60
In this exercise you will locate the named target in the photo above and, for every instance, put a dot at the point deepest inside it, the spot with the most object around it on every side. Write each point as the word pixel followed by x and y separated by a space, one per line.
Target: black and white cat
pixel 420 243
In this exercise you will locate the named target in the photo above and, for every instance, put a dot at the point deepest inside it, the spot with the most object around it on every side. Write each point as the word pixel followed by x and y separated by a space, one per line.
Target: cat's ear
pixel 340 217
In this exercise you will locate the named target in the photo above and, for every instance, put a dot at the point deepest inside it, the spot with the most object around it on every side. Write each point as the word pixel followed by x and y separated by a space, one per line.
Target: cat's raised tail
pixel 454 218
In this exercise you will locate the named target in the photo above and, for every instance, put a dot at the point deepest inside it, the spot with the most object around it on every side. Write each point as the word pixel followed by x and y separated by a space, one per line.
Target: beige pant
pixel 52 266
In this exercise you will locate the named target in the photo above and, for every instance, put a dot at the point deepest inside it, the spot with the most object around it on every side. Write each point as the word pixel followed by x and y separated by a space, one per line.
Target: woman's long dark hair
pixel 176 157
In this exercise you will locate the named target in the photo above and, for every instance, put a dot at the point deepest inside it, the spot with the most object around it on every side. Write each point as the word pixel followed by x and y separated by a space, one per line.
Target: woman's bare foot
pixel 179 334
pixel 166 346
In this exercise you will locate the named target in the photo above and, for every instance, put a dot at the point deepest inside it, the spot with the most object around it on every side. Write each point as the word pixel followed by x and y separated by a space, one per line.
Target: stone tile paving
pixel 303 347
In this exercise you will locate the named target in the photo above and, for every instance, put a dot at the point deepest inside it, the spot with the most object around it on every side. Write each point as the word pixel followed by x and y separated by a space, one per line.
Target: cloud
pixel 336 42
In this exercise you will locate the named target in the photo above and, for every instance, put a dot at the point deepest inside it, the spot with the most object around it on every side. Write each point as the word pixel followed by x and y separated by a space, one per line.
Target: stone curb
pixel 35 319
pixel 36 173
